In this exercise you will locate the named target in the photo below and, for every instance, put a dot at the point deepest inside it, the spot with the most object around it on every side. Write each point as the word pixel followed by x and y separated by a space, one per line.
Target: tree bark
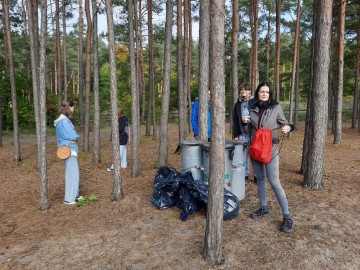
pixel 163 134
pixel 254 66
pixel 58 54
pixel 340 74
pixel 117 187
pixel 357 73
pixel 213 252
pixel 186 59
pixel 65 50
pixel 234 56
pixel 204 40
pixel 87 77
pixel 318 119
pixel 180 75
pixel 141 67
pixel 45 204
pixel 277 51
pixel 151 107
pixel 96 150
pixel 294 66
pixel 268 43
pixel 135 110
pixel 80 65
pixel 33 18
pixel 9 54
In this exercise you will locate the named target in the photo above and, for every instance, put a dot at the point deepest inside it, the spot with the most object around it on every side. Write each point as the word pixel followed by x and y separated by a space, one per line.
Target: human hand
pixel 246 118
pixel 286 129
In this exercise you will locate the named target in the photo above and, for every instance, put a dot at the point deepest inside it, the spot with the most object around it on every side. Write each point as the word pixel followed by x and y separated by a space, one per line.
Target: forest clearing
pixel 134 234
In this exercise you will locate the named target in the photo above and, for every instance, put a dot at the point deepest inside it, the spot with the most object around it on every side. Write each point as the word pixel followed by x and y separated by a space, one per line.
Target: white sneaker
pixel 110 169
pixel 69 203
pixel 79 198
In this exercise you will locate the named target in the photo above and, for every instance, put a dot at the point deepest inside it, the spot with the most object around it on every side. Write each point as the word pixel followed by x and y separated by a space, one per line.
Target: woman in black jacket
pixel 123 138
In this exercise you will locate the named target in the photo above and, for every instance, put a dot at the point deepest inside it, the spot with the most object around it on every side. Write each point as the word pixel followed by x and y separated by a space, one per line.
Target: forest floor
pixel 134 234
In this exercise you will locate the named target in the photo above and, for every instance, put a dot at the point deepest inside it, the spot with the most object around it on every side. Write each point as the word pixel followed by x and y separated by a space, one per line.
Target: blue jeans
pixel 246 138
pixel 123 158
pixel 72 179
pixel 270 170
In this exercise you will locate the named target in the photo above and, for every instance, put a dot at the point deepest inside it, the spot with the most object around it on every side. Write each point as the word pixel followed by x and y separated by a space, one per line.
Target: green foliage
pixel 86 199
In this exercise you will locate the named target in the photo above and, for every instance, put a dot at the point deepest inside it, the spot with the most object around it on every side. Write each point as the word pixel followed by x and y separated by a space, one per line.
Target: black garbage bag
pixel 173 188
pixel 166 179
pixel 231 205
pixel 166 183
pixel 163 199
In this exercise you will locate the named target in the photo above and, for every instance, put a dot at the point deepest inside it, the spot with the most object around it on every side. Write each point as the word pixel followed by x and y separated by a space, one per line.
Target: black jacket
pixel 238 127
pixel 123 136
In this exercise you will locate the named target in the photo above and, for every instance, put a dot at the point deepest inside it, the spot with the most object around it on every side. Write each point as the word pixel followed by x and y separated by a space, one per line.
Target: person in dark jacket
pixel 267 113
pixel 123 138
pixel 240 130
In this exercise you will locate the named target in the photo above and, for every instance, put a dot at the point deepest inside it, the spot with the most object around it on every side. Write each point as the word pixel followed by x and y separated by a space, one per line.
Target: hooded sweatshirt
pixel 65 133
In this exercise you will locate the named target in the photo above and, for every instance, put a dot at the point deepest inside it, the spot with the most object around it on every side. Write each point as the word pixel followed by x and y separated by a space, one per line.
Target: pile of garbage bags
pixel 173 188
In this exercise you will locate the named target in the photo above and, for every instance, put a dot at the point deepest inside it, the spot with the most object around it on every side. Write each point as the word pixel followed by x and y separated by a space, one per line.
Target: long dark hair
pixel 65 108
pixel 256 95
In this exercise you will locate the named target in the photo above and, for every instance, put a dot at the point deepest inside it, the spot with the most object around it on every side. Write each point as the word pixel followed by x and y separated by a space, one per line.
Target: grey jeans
pixel 270 170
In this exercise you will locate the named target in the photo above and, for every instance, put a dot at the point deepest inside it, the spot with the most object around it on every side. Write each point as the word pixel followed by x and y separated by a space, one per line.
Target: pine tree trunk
pixel 163 134
pixel 180 75
pixel 340 74
pixel 58 54
pixel 186 58
pixel 32 15
pixel 213 250
pixel 357 73
pixel 81 65
pixel 45 204
pixel 11 70
pixel 87 77
pixel 318 119
pixel 117 187
pixel 96 150
pixel 234 56
pixel 254 66
pixel 151 102
pixel 277 51
pixel 65 50
pixel 294 66
pixel 135 111
pixel 268 43
pixel 204 43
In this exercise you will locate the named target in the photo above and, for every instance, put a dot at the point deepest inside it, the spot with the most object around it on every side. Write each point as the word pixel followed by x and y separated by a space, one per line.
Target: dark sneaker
pixel 255 179
pixel 260 212
pixel 286 226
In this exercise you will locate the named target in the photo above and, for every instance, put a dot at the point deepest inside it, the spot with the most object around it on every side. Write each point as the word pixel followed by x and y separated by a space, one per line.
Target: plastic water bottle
pixel 245 111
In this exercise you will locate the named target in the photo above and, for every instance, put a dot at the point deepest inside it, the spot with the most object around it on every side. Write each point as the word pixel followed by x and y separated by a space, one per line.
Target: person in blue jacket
pixel 195 118
pixel 66 135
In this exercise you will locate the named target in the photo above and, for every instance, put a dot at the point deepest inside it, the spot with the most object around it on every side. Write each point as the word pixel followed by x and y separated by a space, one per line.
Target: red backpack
pixel 261 146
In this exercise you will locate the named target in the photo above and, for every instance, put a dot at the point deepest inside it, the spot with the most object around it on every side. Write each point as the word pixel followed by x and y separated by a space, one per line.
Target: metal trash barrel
pixel 238 169
pixel 228 165
pixel 191 158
